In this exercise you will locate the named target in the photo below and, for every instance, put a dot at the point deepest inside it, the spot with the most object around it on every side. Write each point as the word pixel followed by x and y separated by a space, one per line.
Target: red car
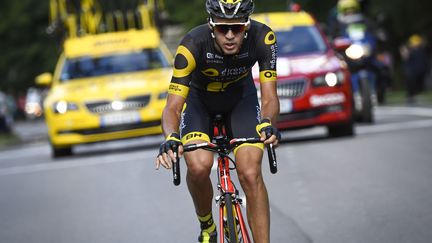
pixel 313 85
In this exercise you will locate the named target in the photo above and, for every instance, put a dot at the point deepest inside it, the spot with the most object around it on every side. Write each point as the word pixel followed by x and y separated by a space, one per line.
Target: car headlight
pixel 357 51
pixel 330 79
pixel 33 108
pixel 63 106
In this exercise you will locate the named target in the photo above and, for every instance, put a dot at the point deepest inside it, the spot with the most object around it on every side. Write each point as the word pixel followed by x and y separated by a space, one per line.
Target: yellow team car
pixel 106 87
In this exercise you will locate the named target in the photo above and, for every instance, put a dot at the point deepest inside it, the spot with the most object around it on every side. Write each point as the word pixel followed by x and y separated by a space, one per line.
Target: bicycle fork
pixel 227 191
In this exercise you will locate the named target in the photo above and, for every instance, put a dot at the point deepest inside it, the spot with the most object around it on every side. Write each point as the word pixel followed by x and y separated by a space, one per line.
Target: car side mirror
pixel 44 79
pixel 341 43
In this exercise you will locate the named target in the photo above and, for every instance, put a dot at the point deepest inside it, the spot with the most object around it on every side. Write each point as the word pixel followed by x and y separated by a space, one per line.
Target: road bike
pixel 228 199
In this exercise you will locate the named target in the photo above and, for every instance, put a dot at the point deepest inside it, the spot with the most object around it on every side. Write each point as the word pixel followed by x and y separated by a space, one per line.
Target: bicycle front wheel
pixel 230 226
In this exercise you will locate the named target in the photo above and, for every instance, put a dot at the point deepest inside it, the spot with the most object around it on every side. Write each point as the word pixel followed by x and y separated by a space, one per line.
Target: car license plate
pixel 285 105
pixel 119 118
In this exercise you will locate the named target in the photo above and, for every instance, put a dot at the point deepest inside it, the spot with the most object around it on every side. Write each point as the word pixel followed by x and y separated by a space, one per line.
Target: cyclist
pixel 212 75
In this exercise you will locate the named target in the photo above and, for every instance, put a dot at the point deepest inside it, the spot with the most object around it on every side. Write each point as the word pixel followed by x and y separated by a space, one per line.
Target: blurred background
pixel 374 176
pixel 27 49
pixel 31 42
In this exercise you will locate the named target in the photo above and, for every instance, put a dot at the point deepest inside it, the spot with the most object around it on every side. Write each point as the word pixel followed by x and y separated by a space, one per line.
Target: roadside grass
pixel 8 139
pixel 398 97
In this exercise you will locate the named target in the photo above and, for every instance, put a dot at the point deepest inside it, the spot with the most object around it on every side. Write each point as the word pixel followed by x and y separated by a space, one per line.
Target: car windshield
pixel 300 40
pixel 87 66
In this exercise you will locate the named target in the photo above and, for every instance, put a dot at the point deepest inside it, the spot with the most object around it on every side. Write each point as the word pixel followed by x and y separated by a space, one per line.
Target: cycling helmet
pixel 230 9
pixel 344 6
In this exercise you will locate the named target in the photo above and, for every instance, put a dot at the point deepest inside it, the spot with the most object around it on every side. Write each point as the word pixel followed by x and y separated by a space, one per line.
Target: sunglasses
pixel 224 28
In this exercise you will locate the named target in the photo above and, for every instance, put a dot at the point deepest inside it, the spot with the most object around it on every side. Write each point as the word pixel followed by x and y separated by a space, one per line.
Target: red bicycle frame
pixel 227 191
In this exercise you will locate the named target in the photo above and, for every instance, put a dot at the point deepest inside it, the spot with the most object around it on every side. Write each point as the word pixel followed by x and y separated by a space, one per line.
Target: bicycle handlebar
pixel 176 168
pixel 233 143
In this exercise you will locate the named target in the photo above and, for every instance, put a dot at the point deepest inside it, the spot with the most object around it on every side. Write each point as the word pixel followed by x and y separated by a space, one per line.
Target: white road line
pixel 64 164
pixel 399 110
pixel 394 127
pixel 149 155
pixel 397 126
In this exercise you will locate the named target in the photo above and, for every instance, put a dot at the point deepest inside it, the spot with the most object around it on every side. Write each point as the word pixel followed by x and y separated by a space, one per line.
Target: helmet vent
pixel 230 13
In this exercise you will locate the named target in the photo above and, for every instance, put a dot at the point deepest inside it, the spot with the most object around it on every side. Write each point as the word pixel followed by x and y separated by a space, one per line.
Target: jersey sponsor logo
pixel 234 71
pixel 273 49
pixel 213 56
pixel 268 75
pixel 210 72
pixel 258 110
pixel 182 120
pixel 270 38
pixel 195 136
pixel 190 65
pixel 227 74
pixel 218 86
pixel 178 89
pixel 221 86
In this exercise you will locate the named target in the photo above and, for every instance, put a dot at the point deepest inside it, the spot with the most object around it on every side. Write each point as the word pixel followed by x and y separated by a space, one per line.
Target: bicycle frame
pixel 227 190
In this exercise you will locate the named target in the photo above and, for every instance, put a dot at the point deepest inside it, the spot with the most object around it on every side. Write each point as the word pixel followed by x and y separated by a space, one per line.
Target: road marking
pixel 398 126
pixel 399 110
pixel 394 127
pixel 149 155
pixel 81 162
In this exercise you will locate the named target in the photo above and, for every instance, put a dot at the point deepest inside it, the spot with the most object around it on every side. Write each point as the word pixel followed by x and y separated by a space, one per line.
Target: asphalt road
pixel 375 188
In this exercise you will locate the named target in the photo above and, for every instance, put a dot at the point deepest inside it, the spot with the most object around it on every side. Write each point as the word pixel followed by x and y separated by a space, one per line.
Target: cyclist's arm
pixel 184 65
pixel 267 54
pixel 171 114
pixel 269 101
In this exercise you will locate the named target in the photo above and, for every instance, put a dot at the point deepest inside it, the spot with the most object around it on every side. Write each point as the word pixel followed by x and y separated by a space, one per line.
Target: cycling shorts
pixel 241 113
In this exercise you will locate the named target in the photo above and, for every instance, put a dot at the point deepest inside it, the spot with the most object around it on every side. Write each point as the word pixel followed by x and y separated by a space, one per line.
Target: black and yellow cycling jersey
pixel 214 83
pixel 198 64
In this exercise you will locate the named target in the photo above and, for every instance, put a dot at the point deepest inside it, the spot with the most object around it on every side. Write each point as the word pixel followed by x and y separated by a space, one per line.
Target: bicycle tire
pixel 231 222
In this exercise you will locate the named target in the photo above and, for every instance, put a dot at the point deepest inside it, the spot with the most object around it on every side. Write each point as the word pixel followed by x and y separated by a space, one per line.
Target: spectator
pixel 416 63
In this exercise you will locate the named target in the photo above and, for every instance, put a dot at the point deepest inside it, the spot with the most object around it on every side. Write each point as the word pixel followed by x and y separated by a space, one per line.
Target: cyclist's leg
pixel 244 119
pixel 194 129
pixel 248 160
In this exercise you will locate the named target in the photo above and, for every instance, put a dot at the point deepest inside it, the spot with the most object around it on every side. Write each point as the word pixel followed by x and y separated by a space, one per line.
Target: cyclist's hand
pixel 269 133
pixel 167 149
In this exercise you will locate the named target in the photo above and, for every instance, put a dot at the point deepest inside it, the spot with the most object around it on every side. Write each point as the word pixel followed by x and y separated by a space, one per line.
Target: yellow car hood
pixel 117 86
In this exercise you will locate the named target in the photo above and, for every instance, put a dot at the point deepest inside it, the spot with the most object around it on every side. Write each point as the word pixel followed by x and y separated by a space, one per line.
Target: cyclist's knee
pixel 199 164
pixel 250 178
pixel 249 167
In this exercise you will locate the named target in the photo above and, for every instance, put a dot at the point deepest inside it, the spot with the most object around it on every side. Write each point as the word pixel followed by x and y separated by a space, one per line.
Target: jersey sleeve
pixel 184 65
pixel 267 54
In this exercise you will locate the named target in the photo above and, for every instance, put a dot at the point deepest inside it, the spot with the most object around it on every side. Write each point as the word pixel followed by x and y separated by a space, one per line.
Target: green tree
pixel 26 48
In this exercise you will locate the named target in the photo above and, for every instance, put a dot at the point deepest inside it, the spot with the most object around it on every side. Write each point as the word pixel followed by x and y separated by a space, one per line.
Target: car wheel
pixel 61 152
pixel 367 104
pixel 342 130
